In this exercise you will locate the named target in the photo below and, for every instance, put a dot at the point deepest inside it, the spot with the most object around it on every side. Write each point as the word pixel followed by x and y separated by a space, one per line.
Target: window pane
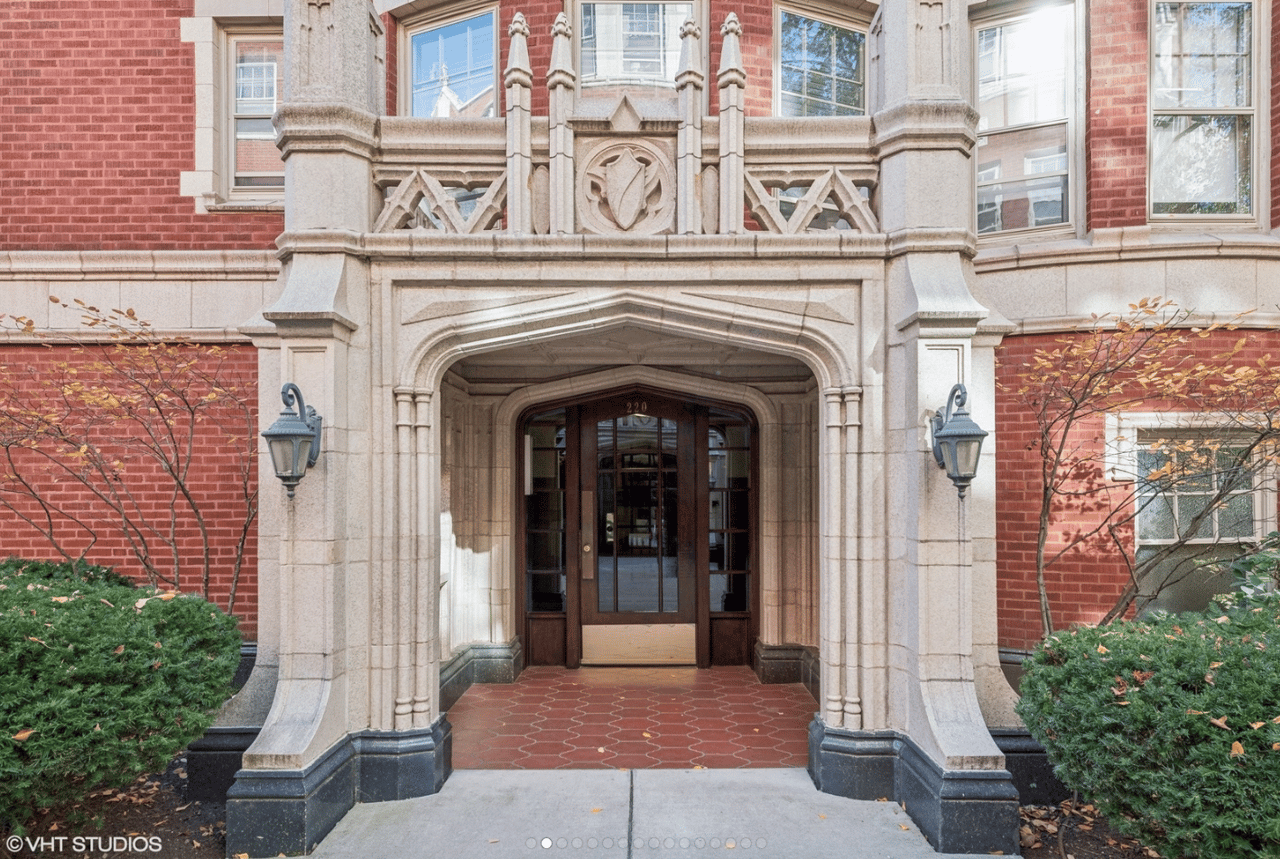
pixel 1201 165
pixel 1201 55
pixel 1024 79
pixel 1235 518
pixel 1155 518
pixel 821 68
pixel 257 86
pixel 632 41
pixel 1023 70
pixel 453 69
pixel 729 592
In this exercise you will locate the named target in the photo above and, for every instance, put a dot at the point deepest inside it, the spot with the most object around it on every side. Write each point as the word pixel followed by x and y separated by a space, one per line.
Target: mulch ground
pixel 1075 830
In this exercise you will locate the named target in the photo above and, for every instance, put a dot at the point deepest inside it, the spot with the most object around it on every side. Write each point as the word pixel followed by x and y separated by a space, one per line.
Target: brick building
pixel 541 267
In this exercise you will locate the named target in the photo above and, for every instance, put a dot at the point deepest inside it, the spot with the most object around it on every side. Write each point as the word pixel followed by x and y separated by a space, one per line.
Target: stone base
pixel 959 811
pixel 214 759
pixel 787 663
pixel 1032 773
pixel 479 663
pixel 274 812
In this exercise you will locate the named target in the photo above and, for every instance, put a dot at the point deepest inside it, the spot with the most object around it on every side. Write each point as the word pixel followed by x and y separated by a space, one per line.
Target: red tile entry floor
pixel 632 718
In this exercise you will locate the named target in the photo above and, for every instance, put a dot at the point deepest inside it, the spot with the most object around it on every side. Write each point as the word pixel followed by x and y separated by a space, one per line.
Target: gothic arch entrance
pixel 638 531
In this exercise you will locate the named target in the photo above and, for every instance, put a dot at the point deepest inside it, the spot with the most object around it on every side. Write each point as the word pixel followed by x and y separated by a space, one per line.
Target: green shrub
pixel 99 681
pixel 1171 725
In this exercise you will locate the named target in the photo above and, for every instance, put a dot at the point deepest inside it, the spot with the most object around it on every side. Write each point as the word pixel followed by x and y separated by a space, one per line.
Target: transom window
pixel 452 69
pixel 256 86
pixel 1025 73
pixel 821 67
pixel 631 42
pixel 1202 109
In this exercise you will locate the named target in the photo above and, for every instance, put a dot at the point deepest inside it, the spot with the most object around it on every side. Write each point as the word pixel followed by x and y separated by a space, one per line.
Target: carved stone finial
pixel 561 72
pixel 561 27
pixel 731 71
pixel 690 28
pixel 731 25
pixel 519 27
pixel 518 72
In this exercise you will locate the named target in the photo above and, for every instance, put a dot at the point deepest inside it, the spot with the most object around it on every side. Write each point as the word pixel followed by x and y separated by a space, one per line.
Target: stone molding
pixel 88 265
pixel 1126 244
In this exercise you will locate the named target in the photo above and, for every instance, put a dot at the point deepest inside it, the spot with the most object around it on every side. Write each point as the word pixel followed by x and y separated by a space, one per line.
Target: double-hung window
pixel 1202 109
pixel 631 43
pixel 1196 503
pixel 257 82
pixel 821 67
pixel 452 69
pixel 1025 80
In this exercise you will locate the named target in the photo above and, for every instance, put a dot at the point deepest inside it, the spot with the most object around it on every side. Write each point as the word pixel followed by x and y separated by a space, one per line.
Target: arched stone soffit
pixel 651 377
pixel 831 365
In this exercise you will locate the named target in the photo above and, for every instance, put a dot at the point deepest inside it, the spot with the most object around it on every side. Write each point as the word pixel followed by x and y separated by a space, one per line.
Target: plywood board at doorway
pixel 640 644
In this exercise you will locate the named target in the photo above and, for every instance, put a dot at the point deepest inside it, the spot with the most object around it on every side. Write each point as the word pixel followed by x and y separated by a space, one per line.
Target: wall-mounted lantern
pixel 957 440
pixel 294 439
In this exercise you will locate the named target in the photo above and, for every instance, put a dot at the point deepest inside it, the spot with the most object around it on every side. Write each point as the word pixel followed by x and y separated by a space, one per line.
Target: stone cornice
pixel 925 125
pixel 1128 244
pixel 89 265
pixel 325 127
pixel 850 249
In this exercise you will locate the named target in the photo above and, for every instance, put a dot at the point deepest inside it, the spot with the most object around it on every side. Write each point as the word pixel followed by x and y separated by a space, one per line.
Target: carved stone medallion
pixel 626 187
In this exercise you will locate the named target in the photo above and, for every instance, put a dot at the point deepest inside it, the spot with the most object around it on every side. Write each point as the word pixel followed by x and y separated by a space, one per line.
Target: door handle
pixel 587 508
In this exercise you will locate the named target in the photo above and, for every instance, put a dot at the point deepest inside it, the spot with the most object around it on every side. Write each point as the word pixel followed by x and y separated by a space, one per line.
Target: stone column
pixel 519 83
pixel 342 726
pixel 732 81
pixel 933 752
pixel 689 80
pixel 561 81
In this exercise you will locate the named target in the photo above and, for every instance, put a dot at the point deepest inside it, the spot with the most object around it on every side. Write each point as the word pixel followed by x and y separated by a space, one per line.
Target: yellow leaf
pixel 1236 749
pixel 647 734
pixel 59 599
pixel 1256 725
pixel 904 827
pixel 1221 722
pixel 23 734
pixel 167 595
pixel 596 810
pixel 1102 649
pixel 118 650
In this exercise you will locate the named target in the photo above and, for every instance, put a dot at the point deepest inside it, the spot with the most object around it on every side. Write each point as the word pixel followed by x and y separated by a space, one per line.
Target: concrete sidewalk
pixel 497 814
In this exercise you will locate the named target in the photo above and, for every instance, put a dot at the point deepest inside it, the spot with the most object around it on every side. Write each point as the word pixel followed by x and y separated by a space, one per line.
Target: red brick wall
pixel 215 481
pixel 96 122
pixel 1116 123
pixel 1084 585
pixel 1275 118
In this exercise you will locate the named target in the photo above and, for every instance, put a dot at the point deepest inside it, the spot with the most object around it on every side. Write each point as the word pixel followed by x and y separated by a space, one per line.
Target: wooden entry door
pixel 637 537
pixel 638 542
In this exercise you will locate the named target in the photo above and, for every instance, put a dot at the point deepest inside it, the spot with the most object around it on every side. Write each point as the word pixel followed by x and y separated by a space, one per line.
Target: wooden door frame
pixel 574 417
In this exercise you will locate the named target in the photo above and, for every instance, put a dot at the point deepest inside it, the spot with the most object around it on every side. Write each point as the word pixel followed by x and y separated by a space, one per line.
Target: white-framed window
pixel 1025 80
pixel 630 43
pixel 1199 497
pixel 451 65
pixel 1203 122
pixel 256 69
pixel 821 65
pixel 238 71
